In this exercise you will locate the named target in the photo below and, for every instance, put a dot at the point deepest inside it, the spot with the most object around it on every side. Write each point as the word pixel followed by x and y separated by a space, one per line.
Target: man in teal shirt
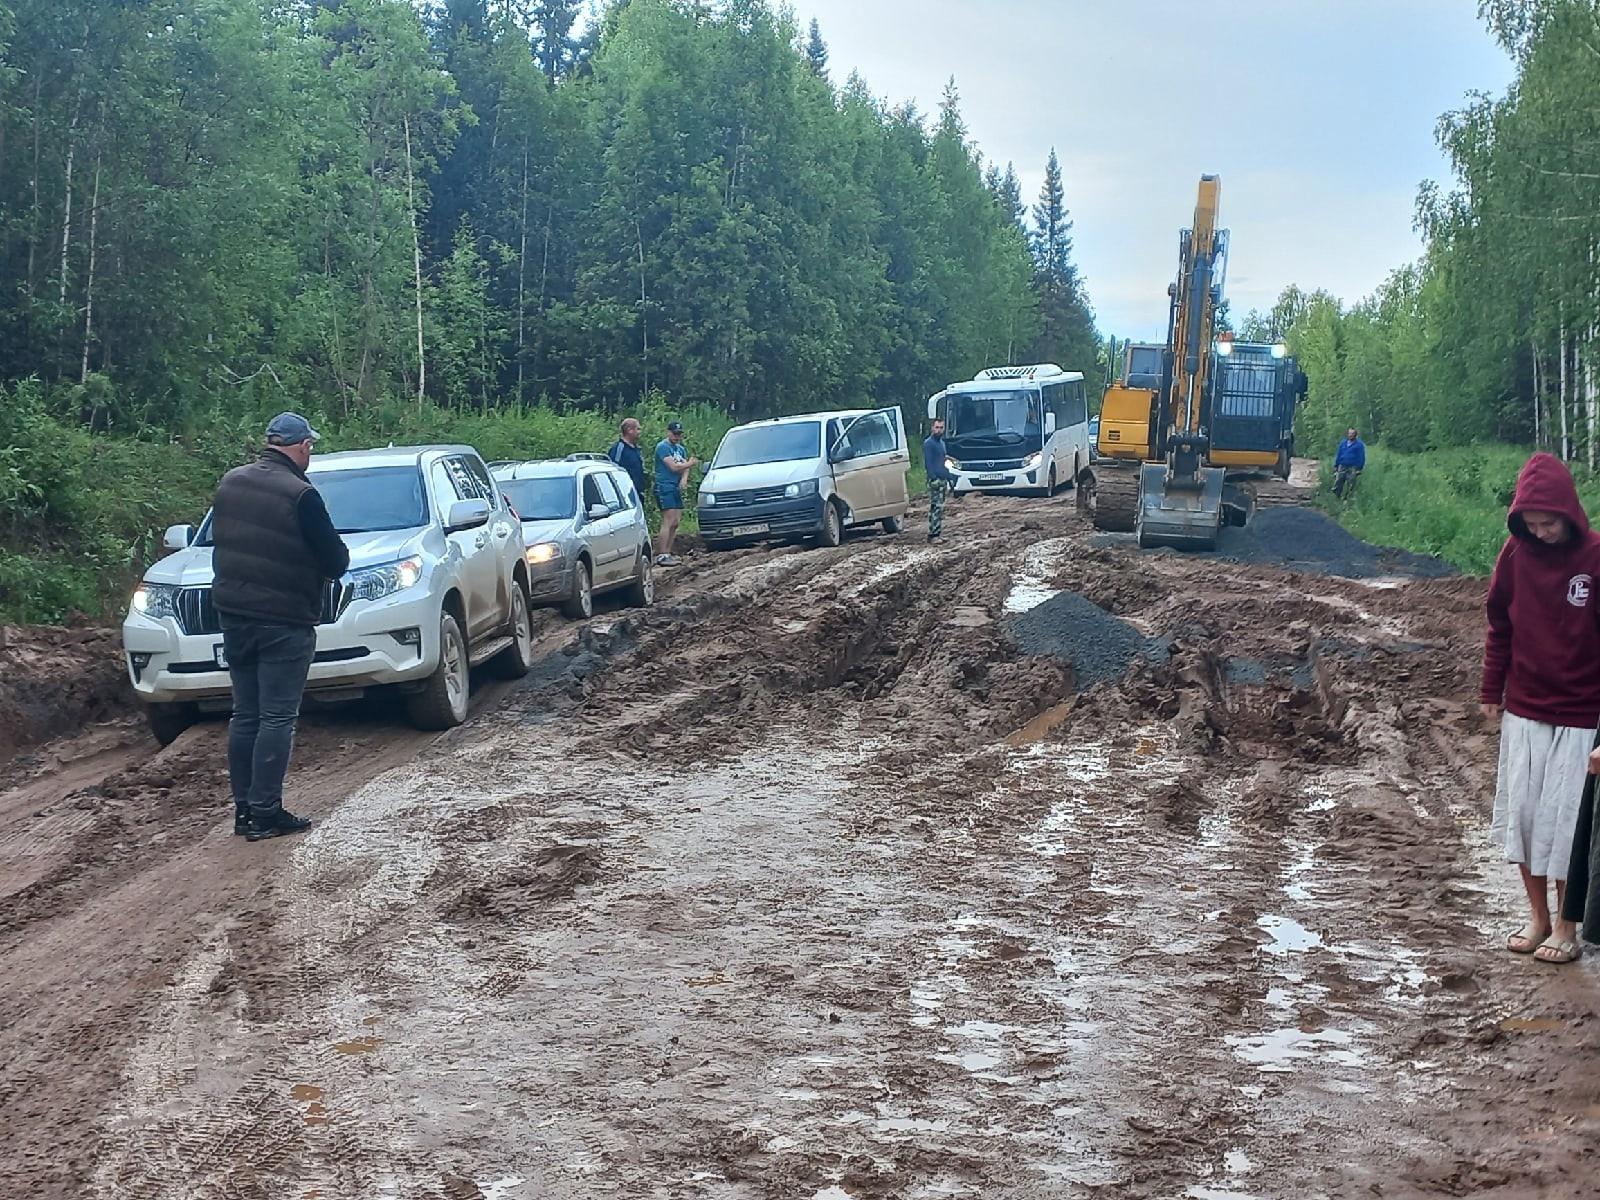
pixel 672 468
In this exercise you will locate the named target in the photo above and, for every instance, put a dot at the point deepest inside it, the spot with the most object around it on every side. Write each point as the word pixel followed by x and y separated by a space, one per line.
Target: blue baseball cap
pixel 290 429
pixel 674 426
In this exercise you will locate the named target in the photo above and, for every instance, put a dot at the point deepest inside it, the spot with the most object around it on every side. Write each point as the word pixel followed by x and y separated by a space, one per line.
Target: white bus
pixel 1015 428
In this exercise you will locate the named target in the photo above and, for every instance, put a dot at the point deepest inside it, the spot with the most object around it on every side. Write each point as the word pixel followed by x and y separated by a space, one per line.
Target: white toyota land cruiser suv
pixel 437 584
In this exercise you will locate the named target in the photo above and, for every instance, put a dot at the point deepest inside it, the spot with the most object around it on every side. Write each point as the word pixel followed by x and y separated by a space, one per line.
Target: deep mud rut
pixel 806 883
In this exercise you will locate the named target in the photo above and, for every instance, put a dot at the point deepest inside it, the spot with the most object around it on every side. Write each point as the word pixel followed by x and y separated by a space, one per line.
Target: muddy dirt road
pixel 811 883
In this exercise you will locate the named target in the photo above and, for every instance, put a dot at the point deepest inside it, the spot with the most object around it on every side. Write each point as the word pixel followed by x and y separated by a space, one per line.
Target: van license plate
pixel 746 530
pixel 221 655
pixel 991 478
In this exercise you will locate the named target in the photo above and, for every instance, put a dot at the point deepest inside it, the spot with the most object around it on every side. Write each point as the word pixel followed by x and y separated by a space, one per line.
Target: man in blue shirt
pixel 1349 462
pixel 626 454
pixel 672 468
pixel 940 479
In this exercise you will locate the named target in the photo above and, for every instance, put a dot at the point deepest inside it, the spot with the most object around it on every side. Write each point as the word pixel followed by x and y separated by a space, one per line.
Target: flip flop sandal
pixel 1522 935
pixel 1561 952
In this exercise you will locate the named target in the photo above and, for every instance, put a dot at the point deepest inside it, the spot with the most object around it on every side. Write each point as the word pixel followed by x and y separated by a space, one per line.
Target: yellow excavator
pixel 1187 426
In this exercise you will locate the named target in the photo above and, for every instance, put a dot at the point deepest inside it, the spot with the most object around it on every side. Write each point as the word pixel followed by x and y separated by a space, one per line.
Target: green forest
pixel 1491 338
pixel 493 220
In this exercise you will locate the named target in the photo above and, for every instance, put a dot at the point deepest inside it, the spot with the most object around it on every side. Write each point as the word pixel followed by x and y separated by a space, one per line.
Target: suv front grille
pixel 197 615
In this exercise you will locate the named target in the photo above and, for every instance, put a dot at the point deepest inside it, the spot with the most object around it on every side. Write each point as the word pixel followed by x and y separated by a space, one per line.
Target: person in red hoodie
pixel 1541 682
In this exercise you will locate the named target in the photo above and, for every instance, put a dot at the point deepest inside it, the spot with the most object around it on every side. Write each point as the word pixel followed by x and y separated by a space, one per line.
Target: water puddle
pixel 1031 588
pixel 1041 726
pixel 969 616
pixel 361 1045
pixel 1532 1024
pixel 1277 1050
pixel 499 1189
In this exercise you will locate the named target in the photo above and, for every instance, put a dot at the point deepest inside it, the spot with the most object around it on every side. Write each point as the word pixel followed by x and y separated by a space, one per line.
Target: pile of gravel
pixel 1099 646
pixel 1305 539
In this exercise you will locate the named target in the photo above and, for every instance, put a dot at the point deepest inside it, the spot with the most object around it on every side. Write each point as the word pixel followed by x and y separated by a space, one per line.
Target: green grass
pixel 1450 503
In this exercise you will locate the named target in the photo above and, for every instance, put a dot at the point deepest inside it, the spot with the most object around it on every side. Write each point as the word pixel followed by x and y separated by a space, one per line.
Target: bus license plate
pixel 746 530
pixel 221 655
pixel 991 478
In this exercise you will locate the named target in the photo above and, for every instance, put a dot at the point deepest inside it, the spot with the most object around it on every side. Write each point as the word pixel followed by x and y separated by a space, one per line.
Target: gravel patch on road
pixel 1099 646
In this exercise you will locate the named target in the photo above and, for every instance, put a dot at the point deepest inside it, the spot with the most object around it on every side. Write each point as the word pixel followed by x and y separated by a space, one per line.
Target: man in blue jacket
pixel 1349 462
pixel 940 479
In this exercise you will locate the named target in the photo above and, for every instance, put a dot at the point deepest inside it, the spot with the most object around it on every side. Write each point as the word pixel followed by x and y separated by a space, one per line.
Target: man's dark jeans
pixel 268 665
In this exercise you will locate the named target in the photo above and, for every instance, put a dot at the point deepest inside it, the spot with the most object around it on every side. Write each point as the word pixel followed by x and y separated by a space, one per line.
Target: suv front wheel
pixel 516 660
pixel 579 604
pixel 442 702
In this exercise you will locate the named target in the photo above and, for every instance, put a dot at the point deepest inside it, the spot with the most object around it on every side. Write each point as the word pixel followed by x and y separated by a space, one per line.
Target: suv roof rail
pixel 1035 371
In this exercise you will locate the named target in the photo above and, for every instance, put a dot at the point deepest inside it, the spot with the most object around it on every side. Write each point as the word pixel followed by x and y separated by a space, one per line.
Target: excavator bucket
pixel 1179 512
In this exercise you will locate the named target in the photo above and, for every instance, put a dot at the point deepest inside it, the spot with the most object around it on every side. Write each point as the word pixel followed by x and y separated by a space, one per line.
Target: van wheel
pixel 1050 483
pixel 516 660
pixel 580 604
pixel 442 702
pixel 642 594
pixel 893 524
pixel 168 721
pixel 832 525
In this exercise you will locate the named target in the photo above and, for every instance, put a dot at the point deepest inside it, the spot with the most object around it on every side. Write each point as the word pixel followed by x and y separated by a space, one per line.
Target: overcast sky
pixel 1318 114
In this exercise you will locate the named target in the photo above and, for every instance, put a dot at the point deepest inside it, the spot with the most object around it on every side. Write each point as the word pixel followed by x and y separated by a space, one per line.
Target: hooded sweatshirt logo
pixel 1578 590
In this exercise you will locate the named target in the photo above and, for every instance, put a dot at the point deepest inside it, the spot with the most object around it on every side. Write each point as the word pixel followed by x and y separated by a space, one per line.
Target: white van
pixel 1015 428
pixel 810 476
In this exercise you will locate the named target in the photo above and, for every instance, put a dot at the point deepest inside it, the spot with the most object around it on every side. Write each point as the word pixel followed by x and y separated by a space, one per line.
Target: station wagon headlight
pixel 374 583
pixel 155 600
pixel 805 487
pixel 708 500
pixel 542 552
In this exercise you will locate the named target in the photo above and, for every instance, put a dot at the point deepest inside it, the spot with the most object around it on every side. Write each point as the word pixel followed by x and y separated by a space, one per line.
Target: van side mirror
pixel 843 452
pixel 598 512
pixel 466 514
pixel 1049 423
pixel 177 537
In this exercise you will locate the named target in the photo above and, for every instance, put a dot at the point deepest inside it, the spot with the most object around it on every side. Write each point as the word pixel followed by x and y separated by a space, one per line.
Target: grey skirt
pixel 1537 791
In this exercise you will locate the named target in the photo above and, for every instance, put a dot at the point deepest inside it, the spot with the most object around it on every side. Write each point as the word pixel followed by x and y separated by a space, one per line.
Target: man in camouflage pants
pixel 940 479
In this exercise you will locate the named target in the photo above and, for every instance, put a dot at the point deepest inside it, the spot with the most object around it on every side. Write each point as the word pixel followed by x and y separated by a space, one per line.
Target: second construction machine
pixel 1188 425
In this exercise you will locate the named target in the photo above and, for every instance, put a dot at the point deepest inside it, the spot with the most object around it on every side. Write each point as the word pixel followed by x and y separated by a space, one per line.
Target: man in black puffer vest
pixel 276 550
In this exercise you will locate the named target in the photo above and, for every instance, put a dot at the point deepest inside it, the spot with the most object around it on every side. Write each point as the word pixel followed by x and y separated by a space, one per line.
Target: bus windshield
pixel 994 418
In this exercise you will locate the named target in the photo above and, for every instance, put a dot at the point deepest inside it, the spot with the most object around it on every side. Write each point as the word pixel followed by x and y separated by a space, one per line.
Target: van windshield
pixel 769 444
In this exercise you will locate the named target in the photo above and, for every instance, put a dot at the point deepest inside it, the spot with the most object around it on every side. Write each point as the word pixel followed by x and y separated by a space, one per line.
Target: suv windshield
pixel 769 444
pixel 373 499
pixel 1004 418
pixel 367 500
pixel 548 499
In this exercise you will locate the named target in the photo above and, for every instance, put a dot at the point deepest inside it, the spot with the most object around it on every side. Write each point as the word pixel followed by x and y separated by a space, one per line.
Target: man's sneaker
pixel 241 821
pixel 666 560
pixel 280 824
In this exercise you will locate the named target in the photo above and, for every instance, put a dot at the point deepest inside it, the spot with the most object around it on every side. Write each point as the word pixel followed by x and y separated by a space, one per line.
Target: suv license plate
pixel 991 478
pixel 746 530
pixel 221 655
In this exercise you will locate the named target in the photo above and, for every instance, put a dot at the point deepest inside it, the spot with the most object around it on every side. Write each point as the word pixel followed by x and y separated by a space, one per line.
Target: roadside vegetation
pixel 1450 503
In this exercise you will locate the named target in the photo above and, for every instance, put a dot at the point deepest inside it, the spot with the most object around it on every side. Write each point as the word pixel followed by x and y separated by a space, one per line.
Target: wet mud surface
pixel 1025 865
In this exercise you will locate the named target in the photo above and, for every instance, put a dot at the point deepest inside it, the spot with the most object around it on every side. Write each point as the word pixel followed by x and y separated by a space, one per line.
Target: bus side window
pixel 1077 405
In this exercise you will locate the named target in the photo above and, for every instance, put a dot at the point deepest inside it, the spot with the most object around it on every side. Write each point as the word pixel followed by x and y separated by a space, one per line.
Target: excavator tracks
pixel 1108 494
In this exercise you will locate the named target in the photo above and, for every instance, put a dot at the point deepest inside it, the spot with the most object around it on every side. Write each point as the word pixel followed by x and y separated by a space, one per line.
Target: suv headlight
pixel 374 583
pixel 806 487
pixel 707 500
pixel 951 464
pixel 541 552
pixel 155 600
pixel 1033 459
